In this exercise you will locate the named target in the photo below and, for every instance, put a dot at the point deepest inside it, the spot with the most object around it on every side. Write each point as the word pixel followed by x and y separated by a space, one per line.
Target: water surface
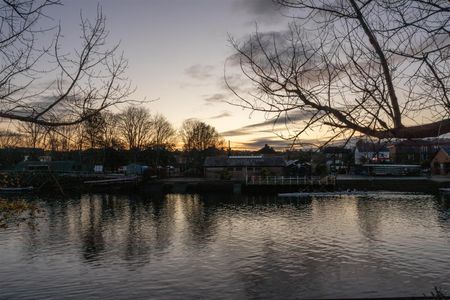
pixel 228 247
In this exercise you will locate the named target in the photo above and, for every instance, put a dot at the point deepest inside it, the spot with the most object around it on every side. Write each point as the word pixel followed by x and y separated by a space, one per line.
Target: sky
pixel 176 50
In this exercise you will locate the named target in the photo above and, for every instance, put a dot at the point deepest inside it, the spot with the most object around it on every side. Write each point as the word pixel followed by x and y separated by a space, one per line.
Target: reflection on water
pixel 191 246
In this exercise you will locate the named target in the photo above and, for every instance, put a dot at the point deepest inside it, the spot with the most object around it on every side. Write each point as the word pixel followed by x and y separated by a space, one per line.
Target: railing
pixel 281 180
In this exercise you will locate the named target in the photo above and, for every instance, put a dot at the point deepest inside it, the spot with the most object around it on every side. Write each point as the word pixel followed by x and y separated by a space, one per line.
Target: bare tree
pixel 32 133
pixel 76 86
pixel 93 129
pixel 10 139
pixel 135 127
pixel 377 67
pixel 52 139
pixel 68 137
pixel 110 134
pixel 197 135
pixel 163 133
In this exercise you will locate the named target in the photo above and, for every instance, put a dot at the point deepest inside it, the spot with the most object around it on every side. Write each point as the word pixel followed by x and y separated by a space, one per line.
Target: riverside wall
pixel 362 183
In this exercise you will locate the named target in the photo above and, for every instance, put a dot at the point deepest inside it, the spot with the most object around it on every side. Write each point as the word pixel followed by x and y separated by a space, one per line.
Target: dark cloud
pixel 277 143
pixel 259 143
pixel 265 10
pixel 216 98
pixel 44 101
pixel 270 125
pixel 199 72
pixel 250 45
pixel 222 115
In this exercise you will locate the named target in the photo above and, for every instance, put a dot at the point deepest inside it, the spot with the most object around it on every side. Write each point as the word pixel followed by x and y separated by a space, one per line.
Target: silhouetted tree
pixel 197 135
pixel 9 139
pixel 135 127
pixel 109 130
pixel 33 134
pixel 380 68
pixel 199 141
pixel 163 133
pixel 76 86
pixel 93 130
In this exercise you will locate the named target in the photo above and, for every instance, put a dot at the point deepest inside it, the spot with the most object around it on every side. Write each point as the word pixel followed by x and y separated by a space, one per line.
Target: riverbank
pixel 70 184
pixel 343 182
pixel 390 183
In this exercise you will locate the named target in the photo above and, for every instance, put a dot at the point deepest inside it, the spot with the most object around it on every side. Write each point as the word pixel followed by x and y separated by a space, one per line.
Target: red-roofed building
pixel 440 164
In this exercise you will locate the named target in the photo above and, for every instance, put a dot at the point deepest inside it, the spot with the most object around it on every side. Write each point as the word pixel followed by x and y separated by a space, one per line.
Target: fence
pixel 281 180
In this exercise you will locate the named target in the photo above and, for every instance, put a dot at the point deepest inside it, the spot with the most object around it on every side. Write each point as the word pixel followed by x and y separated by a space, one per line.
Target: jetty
pixel 283 184
pixel 282 180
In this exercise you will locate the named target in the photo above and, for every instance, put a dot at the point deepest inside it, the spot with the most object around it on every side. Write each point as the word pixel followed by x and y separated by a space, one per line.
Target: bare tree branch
pixel 83 83
pixel 375 67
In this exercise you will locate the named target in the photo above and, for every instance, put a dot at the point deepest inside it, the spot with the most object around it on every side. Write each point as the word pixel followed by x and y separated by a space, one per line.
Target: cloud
pixel 269 126
pixel 277 143
pixel 222 115
pixel 215 98
pixel 199 72
pixel 260 142
pixel 267 11
pixel 265 41
pixel 191 119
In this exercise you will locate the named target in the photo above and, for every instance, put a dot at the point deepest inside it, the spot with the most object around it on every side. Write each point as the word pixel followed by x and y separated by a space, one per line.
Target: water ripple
pixel 225 247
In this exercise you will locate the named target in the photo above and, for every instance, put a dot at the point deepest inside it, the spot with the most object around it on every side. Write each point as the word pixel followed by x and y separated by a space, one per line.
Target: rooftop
pixel 244 161
pixel 364 146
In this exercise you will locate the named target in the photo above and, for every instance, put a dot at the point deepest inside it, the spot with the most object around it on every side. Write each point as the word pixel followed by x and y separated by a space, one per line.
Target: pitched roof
pixel 424 142
pixel 244 161
pixel 335 150
pixel 446 149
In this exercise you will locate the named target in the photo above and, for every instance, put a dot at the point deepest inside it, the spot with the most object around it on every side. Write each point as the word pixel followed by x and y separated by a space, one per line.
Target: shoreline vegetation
pixel 14 212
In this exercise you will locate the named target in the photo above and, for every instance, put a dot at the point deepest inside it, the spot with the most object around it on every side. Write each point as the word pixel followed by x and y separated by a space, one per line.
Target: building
pixel 416 151
pixel 368 152
pixel 337 159
pixel 440 164
pixel 135 169
pixel 297 168
pixel 240 167
pixel 62 166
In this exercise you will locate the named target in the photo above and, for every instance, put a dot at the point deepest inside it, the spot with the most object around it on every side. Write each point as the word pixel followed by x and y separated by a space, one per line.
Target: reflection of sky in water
pixel 229 246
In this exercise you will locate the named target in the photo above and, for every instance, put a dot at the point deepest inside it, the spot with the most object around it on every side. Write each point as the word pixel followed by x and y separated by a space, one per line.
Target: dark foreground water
pixel 230 247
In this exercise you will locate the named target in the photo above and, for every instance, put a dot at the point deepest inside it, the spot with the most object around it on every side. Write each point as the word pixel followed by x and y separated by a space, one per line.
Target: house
pixel 368 152
pixel 135 169
pixel 298 168
pixel 440 164
pixel 416 151
pixel 337 159
pixel 240 167
pixel 9 157
pixel 266 150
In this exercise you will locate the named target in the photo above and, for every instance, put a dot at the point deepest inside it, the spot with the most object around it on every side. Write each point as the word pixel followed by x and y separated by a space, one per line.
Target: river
pixel 181 246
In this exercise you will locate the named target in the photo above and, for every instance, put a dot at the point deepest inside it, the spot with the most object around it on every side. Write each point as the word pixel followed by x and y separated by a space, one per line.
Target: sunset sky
pixel 177 50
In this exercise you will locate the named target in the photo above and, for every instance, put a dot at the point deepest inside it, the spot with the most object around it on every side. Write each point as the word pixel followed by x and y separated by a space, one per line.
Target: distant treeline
pixel 133 128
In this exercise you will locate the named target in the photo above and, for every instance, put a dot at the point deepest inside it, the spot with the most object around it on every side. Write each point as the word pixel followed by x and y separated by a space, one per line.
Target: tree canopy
pixel 42 83
pixel 197 135
pixel 373 67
